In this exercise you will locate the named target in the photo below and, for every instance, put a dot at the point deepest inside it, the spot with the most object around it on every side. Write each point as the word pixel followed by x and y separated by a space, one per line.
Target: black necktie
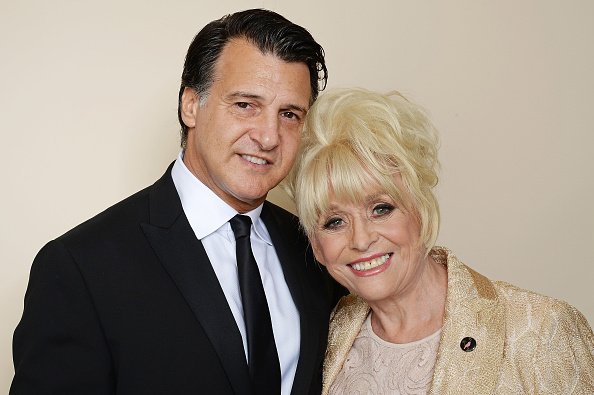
pixel 262 356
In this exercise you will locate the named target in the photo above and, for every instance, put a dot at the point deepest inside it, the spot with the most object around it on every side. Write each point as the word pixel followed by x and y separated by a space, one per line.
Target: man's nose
pixel 266 131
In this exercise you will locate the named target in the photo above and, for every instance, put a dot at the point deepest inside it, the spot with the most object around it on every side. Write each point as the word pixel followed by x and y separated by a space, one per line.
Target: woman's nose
pixel 363 234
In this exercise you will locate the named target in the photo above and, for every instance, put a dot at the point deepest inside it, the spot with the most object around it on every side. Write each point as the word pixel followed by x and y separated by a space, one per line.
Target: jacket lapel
pixel 345 324
pixel 185 259
pixel 472 310
pixel 291 261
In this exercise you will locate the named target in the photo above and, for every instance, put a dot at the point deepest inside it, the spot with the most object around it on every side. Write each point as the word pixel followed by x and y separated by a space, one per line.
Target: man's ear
pixel 189 106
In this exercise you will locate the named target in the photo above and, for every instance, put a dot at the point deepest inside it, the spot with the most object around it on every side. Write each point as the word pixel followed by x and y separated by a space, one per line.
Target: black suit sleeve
pixel 59 346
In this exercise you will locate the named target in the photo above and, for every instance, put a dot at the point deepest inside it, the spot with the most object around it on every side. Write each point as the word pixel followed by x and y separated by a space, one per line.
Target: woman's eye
pixel 382 209
pixel 332 223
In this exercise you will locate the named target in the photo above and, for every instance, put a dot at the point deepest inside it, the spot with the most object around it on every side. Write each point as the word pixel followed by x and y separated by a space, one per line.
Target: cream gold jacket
pixel 525 343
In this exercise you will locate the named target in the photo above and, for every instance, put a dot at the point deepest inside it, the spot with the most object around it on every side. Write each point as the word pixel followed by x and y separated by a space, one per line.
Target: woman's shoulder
pixel 517 301
pixel 551 342
pixel 525 310
pixel 529 308
pixel 548 342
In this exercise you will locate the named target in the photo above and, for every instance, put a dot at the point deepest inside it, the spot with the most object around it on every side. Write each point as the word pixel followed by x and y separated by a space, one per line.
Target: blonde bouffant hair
pixel 354 138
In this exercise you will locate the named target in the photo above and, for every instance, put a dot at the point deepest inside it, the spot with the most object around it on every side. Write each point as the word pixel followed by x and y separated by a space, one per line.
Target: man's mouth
pixel 255 160
pixel 370 264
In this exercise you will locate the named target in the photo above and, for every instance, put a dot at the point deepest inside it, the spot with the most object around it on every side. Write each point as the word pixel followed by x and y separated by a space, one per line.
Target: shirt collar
pixel 205 211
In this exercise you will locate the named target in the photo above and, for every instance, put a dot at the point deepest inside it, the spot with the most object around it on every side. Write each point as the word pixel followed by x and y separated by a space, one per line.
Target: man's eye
pixel 382 209
pixel 242 104
pixel 333 223
pixel 290 115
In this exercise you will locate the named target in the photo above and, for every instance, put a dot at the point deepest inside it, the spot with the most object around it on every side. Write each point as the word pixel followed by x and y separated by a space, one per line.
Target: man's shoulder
pixel 281 213
pixel 122 217
pixel 280 218
pixel 132 207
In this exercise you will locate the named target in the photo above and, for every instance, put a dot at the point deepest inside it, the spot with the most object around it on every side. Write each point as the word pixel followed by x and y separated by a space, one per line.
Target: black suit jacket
pixel 128 303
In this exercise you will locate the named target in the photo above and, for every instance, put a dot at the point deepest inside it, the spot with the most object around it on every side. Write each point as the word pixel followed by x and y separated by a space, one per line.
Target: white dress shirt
pixel 209 218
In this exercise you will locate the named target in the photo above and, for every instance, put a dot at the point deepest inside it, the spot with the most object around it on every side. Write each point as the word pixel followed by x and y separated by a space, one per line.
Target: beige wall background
pixel 88 95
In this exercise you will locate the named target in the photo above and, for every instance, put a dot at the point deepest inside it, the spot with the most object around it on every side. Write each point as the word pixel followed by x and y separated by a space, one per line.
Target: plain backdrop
pixel 88 98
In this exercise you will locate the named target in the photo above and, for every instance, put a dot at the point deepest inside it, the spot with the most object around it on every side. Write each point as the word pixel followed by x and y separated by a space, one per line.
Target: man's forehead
pixel 248 73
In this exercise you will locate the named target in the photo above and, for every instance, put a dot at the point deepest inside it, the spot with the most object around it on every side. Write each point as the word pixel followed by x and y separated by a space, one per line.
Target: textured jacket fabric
pixel 526 343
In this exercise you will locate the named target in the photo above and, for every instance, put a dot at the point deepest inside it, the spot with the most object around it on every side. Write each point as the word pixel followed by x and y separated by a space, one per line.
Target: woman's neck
pixel 415 313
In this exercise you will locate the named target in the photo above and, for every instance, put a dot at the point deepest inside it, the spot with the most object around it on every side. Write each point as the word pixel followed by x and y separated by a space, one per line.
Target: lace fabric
pixel 375 366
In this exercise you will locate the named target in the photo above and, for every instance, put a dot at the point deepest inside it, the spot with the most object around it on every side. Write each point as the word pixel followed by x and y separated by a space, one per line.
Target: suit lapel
pixel 292 261
pixel 185 259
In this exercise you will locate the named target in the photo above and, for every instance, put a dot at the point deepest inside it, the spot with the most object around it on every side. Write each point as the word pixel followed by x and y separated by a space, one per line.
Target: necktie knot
pixel 241 225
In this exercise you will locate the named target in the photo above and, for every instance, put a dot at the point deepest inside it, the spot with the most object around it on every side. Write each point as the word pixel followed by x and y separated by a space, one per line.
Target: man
pixel 145 297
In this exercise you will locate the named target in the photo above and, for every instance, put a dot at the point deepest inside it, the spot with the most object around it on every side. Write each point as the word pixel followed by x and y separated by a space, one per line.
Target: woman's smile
pixel 369 267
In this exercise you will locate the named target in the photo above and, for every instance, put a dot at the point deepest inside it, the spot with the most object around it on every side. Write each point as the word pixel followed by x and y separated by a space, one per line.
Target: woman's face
pixel 372 248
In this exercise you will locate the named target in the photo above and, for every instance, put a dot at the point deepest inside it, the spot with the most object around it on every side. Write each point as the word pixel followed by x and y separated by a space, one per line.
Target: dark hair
pixel 269 31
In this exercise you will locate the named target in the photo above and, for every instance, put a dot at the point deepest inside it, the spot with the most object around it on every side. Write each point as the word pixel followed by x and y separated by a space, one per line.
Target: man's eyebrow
pixel 295 107
pixel 242 95
pixel 246 95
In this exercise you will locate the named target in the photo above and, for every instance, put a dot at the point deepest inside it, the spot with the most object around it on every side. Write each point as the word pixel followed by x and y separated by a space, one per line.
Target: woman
pixel 417 320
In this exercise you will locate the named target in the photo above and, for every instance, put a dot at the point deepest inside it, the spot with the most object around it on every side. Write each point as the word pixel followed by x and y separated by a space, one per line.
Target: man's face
pixel 243 137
